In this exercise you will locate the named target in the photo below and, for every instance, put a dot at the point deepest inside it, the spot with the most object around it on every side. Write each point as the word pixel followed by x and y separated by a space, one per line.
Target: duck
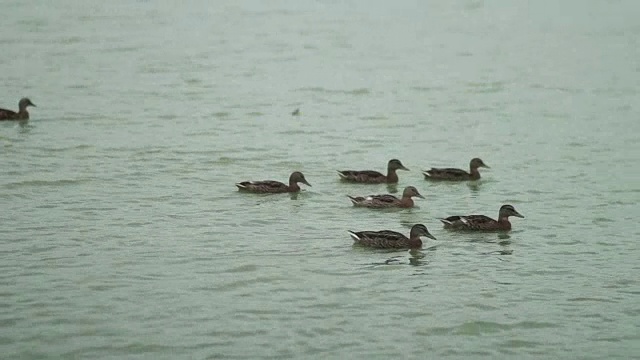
pixel 373 177
pixel 482 222
pixel 456 174
pixel 22 113
pixel 272 186
pixel 387 239
pixel 387 201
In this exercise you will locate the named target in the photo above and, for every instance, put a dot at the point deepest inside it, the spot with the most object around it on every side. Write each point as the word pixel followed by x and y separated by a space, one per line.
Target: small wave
pixel 358 91
pixel 428 88
pixel 221 114
pixel 486 87
pixel 591 299
pixel 486 327
pixel 301 131
pixel 62 149
pixel 374 117
pixel 61 182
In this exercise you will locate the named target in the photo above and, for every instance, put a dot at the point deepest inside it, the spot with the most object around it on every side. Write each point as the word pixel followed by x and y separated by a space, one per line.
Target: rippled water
pixel 123 235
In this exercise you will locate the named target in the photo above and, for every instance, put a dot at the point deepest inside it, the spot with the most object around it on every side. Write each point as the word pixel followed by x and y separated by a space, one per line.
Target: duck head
pixel 509 210
pixel 298 177
pixel 421 230
pixel 478 163
pixel 24 102
pixel 411 191
pixel 395 164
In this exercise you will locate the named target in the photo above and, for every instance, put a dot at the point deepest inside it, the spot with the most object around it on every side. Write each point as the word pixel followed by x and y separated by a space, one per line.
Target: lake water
pixel 123 235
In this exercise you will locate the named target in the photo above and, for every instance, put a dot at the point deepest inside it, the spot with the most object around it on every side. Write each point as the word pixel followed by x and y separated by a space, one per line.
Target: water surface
pixel 123 235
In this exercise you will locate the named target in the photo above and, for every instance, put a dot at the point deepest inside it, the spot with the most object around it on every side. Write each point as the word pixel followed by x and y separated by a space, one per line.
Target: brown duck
pixel 482 222
pixel 374 177
pixel 387 201
pixel 387 239
pixel 456 174
pixel 271 186
pixel 22 113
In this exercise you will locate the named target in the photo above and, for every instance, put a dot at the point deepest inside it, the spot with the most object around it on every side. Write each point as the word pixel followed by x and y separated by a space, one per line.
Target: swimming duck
pixel 22 113
pixel 456 174
pixel 373 177
pixel 271 186
pixel 387 239
pixel 482 222
pixel 387 201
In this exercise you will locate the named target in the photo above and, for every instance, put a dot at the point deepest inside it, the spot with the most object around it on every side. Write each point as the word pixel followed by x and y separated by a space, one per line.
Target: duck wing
pixel 469 222
pixel 387 198
pixel 266 186
pixel 385 239
pixel 446 174
pixel 375 201
pixel 479 222
pixel 362 176
pixel 6 114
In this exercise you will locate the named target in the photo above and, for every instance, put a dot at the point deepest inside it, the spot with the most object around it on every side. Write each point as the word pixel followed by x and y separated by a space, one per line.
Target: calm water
pixel 123 235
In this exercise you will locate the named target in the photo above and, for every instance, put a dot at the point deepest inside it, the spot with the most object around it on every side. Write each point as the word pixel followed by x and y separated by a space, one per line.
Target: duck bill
pixel 32 104
pixel 420 196
pixel 485 166
pixel 306 183
pixel 431 236
pixel 517 214
pixel 404 168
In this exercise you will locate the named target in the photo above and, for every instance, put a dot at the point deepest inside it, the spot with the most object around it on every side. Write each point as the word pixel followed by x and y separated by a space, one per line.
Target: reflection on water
pixel 417 258
pixel 499 252
pixel 474 185
pixel 25 126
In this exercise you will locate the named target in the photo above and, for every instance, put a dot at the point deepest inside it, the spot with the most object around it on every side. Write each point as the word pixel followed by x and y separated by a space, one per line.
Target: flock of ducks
pixel 388 239
pixel 385 239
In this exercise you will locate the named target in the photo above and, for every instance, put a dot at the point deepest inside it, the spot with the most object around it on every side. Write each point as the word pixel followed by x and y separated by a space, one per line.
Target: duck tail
pixel 353 199
pixel 353 235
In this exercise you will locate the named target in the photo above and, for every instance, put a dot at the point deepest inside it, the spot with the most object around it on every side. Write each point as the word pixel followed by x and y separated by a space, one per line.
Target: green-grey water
pixel 123 235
